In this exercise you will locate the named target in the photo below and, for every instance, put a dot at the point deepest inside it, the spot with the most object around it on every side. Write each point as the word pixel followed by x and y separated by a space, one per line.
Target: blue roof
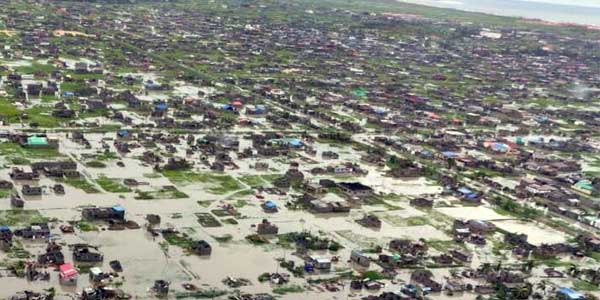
pixel 380 110
pixel 118 208
pixel 464 190
pixel 449 154
pixel 295 142
pixel 270 204
pixel 160 106
pixel 571 294
pixel 4 228
pixel 500 147
pixel 123 132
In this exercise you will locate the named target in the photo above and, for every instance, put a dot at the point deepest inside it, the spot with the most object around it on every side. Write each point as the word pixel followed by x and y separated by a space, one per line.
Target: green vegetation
pixel 286 289
pixel 207 220
pixel 582 285
pixel 86 226
pixel 223 238
pixel 21 217
pixel 219 184
pixel 204 294
pixel 373 275
pixel 34 68
pixel 179 239
pixel 443 246
pixel 252 180
pixel 241 194
pixel 257 239
pixel 112 185
pixel 41 116
pixel 95 164
pixel 230 221
pixel 205 203
pixel 5 193
pixel 166 192
pixel 18 251
pixel 107 155
pixel 80 183
pixel 313 242
pixel 506 206
pixel 14 152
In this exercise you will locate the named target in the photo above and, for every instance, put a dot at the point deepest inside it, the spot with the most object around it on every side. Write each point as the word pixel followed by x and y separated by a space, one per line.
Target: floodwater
pixel 475 212
pixel 144 260
pixel 536 234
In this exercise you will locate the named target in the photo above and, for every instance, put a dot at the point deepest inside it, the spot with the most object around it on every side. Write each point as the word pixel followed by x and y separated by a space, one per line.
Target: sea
pixel 584 12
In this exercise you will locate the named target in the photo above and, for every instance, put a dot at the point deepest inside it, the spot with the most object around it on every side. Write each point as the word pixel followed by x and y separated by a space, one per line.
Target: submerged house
pixel 201 248
pixel 116 212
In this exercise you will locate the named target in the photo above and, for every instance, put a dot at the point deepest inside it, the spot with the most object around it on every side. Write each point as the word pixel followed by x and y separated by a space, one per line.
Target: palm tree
pixel 573 270
pixel 541 286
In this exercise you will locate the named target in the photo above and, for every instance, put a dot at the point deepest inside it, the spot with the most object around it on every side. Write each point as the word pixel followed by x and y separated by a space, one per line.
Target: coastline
pixel 533 12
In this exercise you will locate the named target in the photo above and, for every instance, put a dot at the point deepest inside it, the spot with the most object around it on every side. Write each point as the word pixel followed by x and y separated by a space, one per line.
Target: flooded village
pixel 262 149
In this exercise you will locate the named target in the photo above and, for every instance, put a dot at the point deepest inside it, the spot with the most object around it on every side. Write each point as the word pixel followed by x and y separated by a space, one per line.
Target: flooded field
pixel 287 150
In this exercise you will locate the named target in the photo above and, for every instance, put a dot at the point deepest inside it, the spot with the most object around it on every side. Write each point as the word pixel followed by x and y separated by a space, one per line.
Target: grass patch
pixel 252 180
pixel 240 194
pixel 287 289
pixel 204 203
pixel 80 183
pixel 257 239
pixel 35 67
pixel 219 184
pixel 443 246
pixel 230 221
pixel 240 203
pixel 14 152
pixel 95 164
pixel 582 285
pixel 21 217
pixel 203 294
pixel 223 238
pixel 151 175
pixel 179 239
pixel 410 221
pixel 207 220
pixel 270 177
pixel 112 185
pixel 86 226
pixel 4 193
pixel 166 192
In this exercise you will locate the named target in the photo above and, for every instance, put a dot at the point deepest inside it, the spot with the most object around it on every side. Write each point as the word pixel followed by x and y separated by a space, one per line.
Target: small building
pixel 16 201
pixel 39 142
pixel 321 263
pixel 34 231
pixel 201 248
pixel 29 190
pixel 67 274
pixel 370 221
pixel 355 189
pixel 83 253
pixel 360 258
pixel 96 274
pixel 116 212
pixel 421 202
pixel 266 227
